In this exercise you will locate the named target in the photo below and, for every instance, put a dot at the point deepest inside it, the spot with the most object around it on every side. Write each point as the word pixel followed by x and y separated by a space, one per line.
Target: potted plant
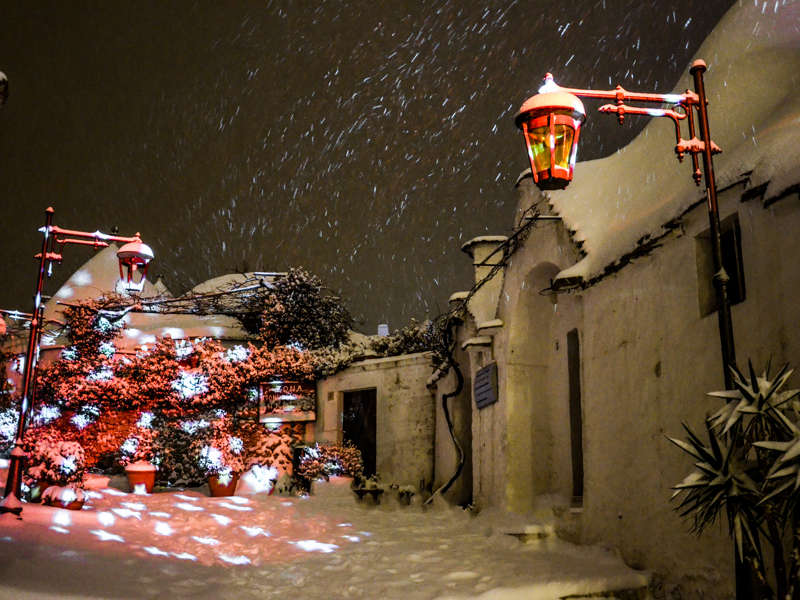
pixel 222 461
pixel 53 462
pixel 69 497
pixel 138 459
pixel 324 461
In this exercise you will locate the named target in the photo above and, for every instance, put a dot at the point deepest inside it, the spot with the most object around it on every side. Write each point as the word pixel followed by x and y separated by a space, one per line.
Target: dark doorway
pixel 359 424
pixel 575 417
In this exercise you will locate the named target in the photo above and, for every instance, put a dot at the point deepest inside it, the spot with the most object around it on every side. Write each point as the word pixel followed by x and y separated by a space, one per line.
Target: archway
pixel 530 441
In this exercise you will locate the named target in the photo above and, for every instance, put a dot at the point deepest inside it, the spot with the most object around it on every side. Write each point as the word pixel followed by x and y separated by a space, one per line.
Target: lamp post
pixel 550 122
pixel 133 256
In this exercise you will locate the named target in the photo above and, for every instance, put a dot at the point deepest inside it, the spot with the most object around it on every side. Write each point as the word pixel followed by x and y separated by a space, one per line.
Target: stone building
pixel 601 329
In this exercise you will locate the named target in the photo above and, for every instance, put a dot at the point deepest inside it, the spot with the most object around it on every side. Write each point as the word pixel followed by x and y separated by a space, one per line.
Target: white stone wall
pixel 405 419
pixel 647 360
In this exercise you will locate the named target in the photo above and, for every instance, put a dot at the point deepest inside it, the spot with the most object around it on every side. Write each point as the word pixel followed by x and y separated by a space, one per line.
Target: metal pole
pixel 744 581
pixel 17 462
pixel 720 278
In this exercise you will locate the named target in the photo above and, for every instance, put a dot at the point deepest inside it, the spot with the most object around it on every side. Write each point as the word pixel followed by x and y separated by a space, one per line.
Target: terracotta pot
pixel 141 473
pixel 74 505
pixel 62 497
pixel 223 489
pixel 336 485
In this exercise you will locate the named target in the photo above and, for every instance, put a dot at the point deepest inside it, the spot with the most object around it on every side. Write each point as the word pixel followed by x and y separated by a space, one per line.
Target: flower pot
pixel 141 476
pixel 63 497
pixel 223 485
pixel 335 485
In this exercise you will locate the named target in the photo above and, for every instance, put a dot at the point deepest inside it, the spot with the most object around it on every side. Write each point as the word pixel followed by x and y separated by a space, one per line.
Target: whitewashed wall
pixel 405 414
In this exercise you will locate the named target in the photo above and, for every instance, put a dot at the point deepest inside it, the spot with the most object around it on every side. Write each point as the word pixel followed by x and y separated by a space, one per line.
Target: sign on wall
pixel 484 386
pixel 283 401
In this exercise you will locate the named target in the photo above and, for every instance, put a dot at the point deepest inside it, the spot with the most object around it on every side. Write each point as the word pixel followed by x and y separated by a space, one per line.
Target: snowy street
pixel 188 545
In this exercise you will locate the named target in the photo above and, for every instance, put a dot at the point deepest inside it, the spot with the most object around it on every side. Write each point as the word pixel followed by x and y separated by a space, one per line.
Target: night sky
pixel 363 140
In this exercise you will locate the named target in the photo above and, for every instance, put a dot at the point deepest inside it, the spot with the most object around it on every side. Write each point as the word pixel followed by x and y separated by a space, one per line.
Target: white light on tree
pixel 189 384
pixel 236 445
pixel 237 354
pixel 46 414
pixel 102 374
pixel 69 353
pixel 145 420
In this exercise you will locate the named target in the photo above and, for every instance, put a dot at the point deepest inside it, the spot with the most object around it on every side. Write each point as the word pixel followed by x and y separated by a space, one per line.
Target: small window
pixel 731 242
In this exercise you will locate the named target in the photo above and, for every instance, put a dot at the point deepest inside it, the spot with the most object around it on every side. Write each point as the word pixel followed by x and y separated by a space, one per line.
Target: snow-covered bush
pixel 8 428
pixel 53 460
pixel 63 496
pixel 138 446
pixel 103 396
pixel 324 460
pixel 750 470
pixel 298 311
pixel 414 337
pixel 220 451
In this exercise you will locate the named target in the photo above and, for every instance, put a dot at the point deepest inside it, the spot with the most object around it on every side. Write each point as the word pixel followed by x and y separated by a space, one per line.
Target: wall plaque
pixel 484 386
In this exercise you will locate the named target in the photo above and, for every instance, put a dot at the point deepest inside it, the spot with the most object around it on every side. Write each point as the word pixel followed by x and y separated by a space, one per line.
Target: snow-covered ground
pixel 329 545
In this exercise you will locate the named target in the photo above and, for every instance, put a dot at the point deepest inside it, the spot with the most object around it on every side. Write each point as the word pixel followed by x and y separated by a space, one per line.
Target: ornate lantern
pixel 133 257
pixel 551 122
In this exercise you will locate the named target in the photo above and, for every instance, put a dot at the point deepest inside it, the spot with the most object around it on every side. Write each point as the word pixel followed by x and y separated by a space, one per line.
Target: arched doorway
pixel 544 445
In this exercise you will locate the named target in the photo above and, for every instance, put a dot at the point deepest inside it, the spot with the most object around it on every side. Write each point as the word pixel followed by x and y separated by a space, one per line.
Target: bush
pixel 138 447
pixel 298 311
pixel 750 471
pixel 54 460
pixel 220 452
pixel 324 460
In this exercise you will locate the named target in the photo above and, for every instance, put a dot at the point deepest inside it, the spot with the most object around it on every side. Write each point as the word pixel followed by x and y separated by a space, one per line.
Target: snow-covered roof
pixel 752 84
pixel 232 281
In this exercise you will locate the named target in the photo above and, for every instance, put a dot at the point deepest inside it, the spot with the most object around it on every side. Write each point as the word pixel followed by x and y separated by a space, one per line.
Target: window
pixel 731 242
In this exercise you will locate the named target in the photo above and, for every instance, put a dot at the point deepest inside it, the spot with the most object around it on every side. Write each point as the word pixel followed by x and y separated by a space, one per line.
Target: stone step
pixel 639 593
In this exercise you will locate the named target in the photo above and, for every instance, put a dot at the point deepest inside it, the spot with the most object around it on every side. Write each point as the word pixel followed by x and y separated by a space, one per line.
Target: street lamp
pixel 550 122
pixel 551 103
pixel 133 256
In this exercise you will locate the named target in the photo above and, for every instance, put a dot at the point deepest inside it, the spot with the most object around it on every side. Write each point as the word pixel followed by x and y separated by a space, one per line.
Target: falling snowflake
pixel 68 465
pixel 8 424
pixel 183 348
pixel 211 460
pixel 81 420
pixel 103 325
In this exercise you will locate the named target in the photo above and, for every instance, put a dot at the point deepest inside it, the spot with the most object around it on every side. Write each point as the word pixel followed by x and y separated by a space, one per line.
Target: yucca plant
pixel 750 470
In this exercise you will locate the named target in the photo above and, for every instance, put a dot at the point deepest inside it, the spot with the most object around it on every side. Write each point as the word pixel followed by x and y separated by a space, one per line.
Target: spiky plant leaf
pixel 755 397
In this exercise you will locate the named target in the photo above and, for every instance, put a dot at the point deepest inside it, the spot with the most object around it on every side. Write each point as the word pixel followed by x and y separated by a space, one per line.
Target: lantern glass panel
pixel 539 142
pixel 563 144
